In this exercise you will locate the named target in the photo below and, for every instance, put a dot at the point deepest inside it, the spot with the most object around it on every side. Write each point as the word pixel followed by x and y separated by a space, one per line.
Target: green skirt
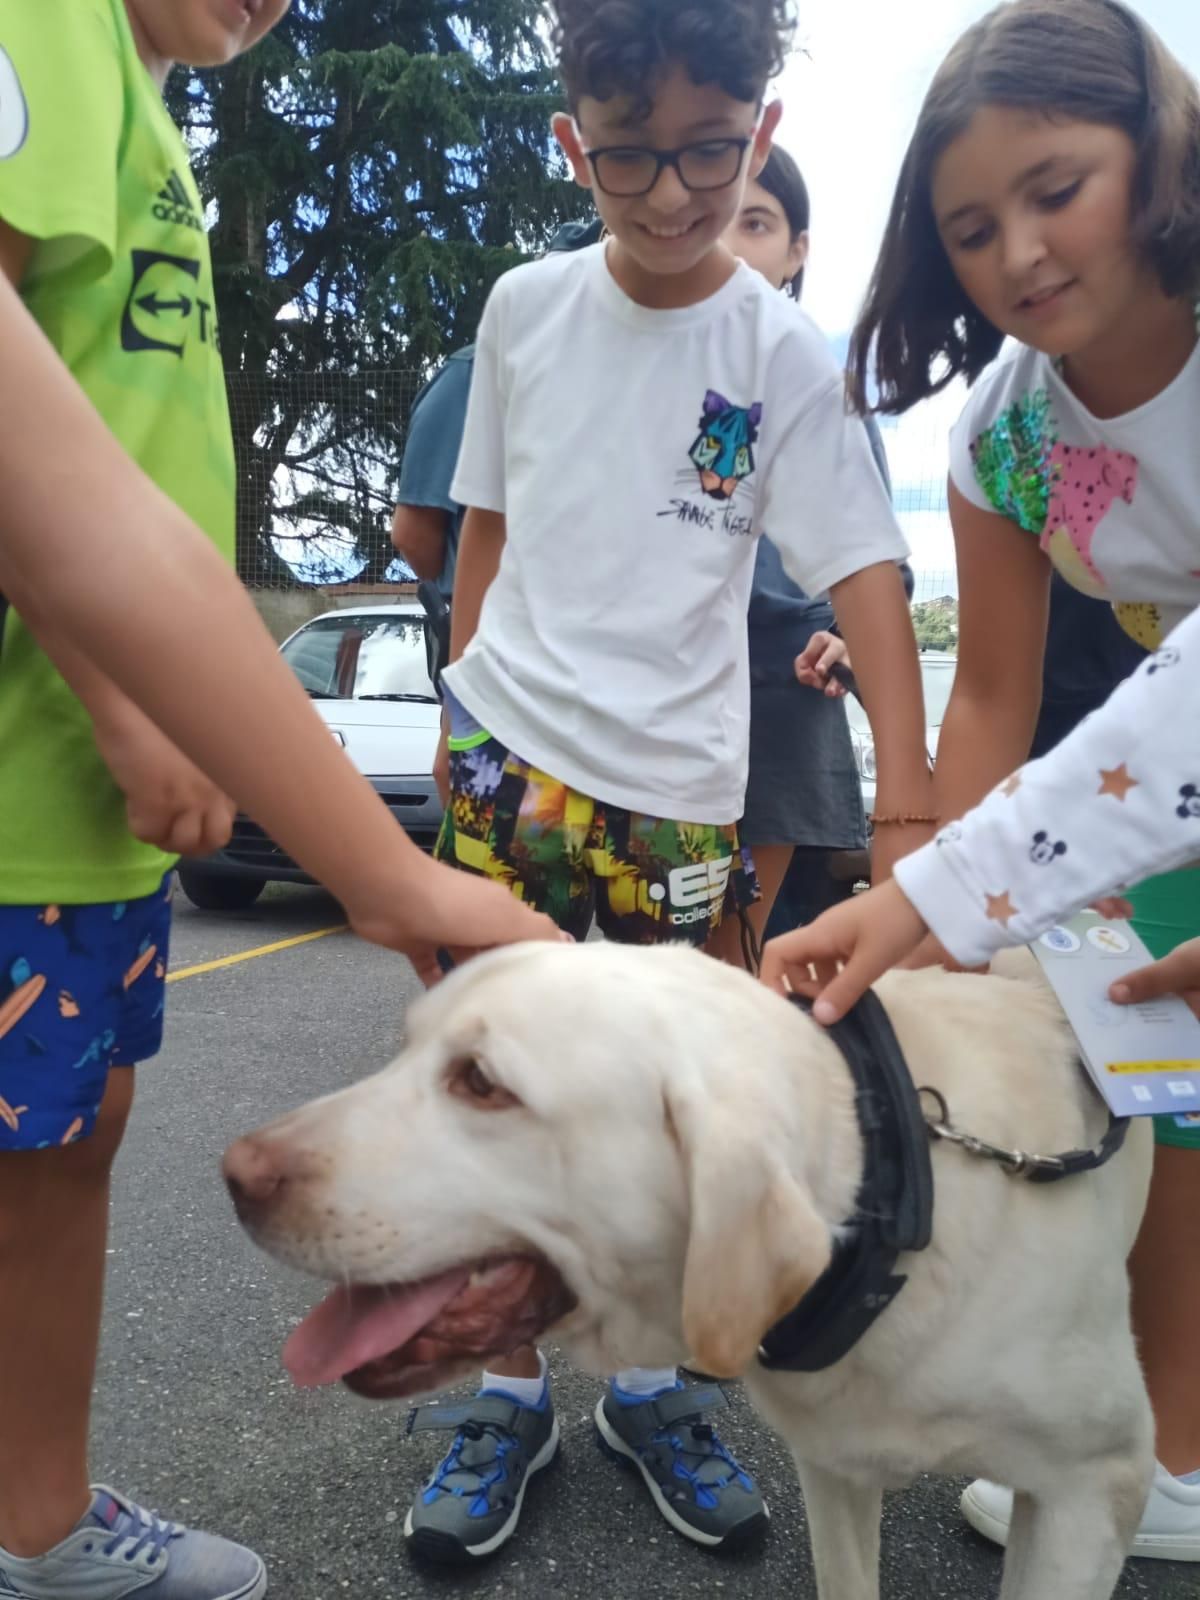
pixel 1166 913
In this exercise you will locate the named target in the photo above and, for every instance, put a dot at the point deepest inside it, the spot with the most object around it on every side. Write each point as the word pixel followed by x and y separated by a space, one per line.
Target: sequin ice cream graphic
pixel 1060 492
pixel 1012 462
pixel 1086 485
pixel 724 450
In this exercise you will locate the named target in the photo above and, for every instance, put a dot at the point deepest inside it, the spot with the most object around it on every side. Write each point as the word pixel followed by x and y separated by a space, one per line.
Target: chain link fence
pixel 318 460
pixel 319 456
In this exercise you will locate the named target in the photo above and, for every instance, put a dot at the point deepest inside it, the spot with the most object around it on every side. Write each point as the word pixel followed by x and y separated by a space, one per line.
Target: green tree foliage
pixel 935 623
pixel 374 166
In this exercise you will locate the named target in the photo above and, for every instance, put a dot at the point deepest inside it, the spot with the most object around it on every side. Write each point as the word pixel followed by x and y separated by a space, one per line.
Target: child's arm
pixel 480 546
pixel 872 612
pixel 831 518
pixel 218 687
pixel 425 513
pixel 480 483
pixel 1122 796
pixel 814 666
pixel 169 802
pixel 419 538
pixel 479 551
pixel 1178 973
pixel 1003 600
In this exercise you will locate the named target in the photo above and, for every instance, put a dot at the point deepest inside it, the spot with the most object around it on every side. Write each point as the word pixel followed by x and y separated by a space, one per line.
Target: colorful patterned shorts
pixel 81 991
pixel 645 880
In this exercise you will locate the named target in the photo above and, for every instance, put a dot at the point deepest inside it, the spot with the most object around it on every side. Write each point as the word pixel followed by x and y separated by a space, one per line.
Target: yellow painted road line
pixel 250 955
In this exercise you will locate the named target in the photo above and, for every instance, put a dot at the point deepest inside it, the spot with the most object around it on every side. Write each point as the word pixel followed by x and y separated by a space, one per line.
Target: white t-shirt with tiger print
pixel 1114 502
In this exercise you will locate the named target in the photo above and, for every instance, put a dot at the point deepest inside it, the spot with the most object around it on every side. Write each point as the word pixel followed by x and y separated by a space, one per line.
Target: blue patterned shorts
pixel 81 991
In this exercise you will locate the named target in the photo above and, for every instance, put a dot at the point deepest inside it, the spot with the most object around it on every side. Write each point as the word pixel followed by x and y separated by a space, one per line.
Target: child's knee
pixel 85 1159
pixel 101 1146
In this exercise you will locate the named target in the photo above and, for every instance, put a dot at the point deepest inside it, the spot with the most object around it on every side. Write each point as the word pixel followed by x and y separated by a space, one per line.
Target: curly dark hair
pixel 621 47
pixel 1090 60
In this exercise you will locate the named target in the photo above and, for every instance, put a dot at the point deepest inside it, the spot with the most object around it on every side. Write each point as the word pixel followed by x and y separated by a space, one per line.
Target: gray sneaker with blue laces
pixel 692 1477
pixel 471 1505
pixel 118 1551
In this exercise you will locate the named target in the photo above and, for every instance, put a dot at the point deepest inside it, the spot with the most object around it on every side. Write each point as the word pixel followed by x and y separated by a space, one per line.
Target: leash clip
pixel 1013 1163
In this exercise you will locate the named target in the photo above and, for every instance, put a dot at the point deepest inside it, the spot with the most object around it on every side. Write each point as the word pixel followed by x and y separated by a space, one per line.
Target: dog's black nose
pixel 252 1174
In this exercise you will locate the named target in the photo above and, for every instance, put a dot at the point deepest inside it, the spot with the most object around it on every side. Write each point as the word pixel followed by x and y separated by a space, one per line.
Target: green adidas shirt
pixel 120 280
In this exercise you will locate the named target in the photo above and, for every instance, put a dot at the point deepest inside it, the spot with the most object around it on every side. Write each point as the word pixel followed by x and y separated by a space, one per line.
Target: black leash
pixel 848 681
pixel 1023 1163
pixel 893 1210
pixel 751 947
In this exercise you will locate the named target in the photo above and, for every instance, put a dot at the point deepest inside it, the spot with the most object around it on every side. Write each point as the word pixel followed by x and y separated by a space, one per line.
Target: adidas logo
pixel 173 205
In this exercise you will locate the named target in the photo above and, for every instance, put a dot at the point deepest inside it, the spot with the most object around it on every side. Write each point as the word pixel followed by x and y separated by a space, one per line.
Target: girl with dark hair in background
pixel 1051 195
pixel 803 799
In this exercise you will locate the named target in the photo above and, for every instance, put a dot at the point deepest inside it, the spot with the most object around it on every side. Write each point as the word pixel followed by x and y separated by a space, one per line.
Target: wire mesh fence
pixel 318 459
pixel 319 456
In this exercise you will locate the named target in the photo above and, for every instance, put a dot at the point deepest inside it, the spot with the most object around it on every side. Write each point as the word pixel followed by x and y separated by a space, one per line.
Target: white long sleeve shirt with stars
pixel 1115 803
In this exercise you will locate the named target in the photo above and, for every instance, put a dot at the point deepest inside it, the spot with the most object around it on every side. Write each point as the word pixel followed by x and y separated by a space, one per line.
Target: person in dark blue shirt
pixel 804 806
pixel 427 522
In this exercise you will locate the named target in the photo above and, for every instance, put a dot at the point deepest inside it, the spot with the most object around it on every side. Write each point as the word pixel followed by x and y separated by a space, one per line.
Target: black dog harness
pixel 894 1207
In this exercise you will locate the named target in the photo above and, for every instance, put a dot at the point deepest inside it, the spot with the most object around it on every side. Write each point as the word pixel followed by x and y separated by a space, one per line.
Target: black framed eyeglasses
pixel 626 171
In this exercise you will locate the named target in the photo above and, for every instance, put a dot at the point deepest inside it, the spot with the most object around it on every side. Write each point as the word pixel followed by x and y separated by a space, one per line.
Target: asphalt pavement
pixel 195 1415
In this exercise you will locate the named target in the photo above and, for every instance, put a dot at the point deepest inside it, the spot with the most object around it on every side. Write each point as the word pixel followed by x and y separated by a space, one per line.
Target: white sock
pixel 525 1391
pixel 645 1381
pixel 1192 1478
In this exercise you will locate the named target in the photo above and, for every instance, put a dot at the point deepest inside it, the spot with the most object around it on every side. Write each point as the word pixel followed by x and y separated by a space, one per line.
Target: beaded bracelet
pixel 901 820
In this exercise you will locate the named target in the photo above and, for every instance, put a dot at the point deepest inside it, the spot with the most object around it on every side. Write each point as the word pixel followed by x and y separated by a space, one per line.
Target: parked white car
pixel 367 671
pixel 937 680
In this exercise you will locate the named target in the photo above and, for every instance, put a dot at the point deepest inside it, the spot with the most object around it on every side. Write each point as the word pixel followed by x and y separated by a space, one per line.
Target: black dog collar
pixel 893 1210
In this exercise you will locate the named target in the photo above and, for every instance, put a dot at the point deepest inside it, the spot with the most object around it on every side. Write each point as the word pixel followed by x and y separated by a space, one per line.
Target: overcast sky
pixel 849 107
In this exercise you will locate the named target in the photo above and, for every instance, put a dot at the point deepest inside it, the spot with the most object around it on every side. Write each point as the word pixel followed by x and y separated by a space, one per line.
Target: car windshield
pixel 355 656
pixel 937 680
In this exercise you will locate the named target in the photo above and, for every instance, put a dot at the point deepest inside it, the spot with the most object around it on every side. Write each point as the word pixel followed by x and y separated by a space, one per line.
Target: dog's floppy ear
pixel 756 1244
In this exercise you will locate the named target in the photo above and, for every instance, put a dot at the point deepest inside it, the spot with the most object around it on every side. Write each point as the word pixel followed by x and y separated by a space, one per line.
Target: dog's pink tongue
pixel 361 1323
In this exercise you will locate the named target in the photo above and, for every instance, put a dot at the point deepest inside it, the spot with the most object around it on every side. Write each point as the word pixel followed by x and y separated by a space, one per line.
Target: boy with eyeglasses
pixel 639 410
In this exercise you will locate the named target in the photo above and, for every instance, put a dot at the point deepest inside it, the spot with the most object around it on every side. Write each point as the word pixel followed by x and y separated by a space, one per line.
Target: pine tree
pixel 372 168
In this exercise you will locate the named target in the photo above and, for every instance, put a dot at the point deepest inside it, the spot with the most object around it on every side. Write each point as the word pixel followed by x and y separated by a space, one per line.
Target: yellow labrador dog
pixel 645 1154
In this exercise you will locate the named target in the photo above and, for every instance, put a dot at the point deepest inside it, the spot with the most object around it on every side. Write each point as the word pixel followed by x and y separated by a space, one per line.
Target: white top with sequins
pixel 1115 502
pixel 1116 802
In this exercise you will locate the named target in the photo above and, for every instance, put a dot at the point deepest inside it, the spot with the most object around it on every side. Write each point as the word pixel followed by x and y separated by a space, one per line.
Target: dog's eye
pixel 470 1082
pixel 476 1081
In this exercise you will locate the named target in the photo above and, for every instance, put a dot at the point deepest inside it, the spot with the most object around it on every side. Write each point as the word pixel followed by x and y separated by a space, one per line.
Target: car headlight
pixel 864 757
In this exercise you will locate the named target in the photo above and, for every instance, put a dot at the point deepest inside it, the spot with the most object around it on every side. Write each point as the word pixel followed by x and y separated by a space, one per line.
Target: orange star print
pixel 1117 783
pixel 1000 908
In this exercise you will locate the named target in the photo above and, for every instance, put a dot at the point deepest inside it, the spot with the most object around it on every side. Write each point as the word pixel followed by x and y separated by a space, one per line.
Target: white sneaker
pixel 1170 1529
